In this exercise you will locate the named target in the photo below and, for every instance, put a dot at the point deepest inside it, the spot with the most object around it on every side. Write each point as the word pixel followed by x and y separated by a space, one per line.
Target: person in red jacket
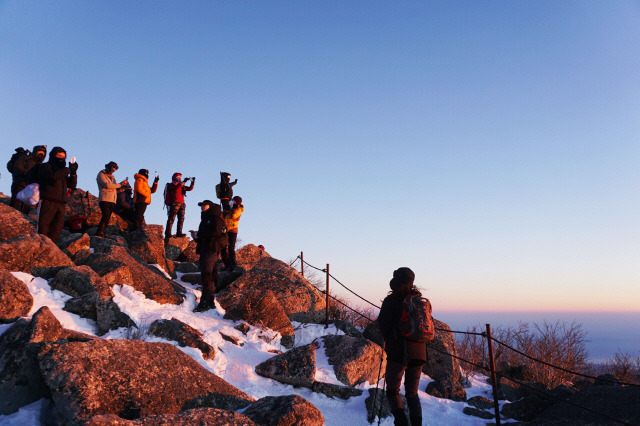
pixel 404 357
pixel 174 199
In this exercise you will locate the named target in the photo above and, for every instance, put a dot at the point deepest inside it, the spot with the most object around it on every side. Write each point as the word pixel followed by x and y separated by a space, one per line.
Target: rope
pixel 553 366
pixel 354 293
pixel 481 367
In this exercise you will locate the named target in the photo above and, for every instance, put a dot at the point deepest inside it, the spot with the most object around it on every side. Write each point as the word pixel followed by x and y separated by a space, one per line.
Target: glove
pixel 156 179
pixel 73 168
pixel 193 180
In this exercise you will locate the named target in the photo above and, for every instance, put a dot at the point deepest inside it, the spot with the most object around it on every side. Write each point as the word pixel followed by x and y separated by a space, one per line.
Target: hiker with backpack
pixel 232 217
pixel 224 190
pixel 55 180
pixel 174 194
pixel 108 194
pixel 211 241
pixel 21 162
pixel 142 195
pixel 406 325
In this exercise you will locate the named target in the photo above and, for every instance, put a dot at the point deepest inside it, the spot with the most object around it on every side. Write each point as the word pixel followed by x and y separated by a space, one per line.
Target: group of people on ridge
pixel 216 237
pixel 217 233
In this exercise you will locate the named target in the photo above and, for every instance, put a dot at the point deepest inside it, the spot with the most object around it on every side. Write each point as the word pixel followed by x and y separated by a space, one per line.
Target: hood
pixel 139 176
pixel 56 150
pixel 225 177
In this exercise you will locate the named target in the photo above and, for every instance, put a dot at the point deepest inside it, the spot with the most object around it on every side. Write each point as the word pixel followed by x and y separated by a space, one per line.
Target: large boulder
pixel 15 298
pixel 284 411
pixel 183 334
pixel 248 256
pixel 74 243
pixel 442 367
pixel 80 280
pixel 34 254
pixel 176 246
pixel 198 416
pixel 117 265
pixel 148 243
pixel 106 313
pixel 295 367
pixel 263 309
pixel 13 223
pixel 129 378
pixel 354 360
pixel 20 379
pixel 300 299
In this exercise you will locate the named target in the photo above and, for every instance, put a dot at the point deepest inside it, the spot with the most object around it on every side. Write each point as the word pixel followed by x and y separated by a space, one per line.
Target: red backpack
pixel 170 193
pixel 415 322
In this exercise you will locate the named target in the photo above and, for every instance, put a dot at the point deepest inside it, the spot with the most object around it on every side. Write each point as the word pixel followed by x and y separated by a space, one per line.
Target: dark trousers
pixel 231 250
pixel 176 209
pixel 209 273
pixel 106 208
pixel 140 208
pixel 51 219
pixel 411 373
pixel 226 204
pixel 15 203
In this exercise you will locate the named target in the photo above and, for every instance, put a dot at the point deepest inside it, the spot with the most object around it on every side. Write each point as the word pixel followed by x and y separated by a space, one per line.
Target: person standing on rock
pixel 142 194
pixel 211 241
pixel 55 180
pixel 20 173
pixel 224 190
pixel 174 194
pixel 108 196
pixel 404 357
pixel 232 217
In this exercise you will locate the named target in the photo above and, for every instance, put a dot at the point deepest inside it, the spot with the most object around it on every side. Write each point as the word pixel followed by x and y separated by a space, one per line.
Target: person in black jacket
pixel 224 190
pixel 211 241
pixel 403 356
pixel 20 173
pixel 55 180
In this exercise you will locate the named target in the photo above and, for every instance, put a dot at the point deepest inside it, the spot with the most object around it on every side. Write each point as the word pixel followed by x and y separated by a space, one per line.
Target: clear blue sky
pixel 493 147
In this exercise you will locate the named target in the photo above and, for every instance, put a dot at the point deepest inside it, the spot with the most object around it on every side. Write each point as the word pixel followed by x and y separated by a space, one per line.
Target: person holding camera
pixel 174 194
pixel 20 172
pixel 55 180
pixel 232 217
pixel 224 190
pixel 108 194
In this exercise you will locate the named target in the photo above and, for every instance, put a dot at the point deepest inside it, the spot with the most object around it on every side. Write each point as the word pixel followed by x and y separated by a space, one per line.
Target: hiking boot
pixel 202 307
pixel 399 418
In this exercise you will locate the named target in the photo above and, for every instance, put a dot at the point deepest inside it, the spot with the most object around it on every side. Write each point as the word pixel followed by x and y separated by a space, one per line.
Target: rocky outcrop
pixel 284 411
pixel 301 300
pixel 20 379
pixel 119 266
pixel 80 280
pixel 199 416
pixel 14 223
pixel 248 256
pixel 129 378
pixel 354 360
pixel 148 243
pixel 263 309
pixel 443 368
pixel 295 367
pixel 106 313
pixel 347 328
pixel 15 298
pixel 183 334
pixel 217 400
pixel 335 391
pixel 176 246
pixel 74 243
pixel 34 254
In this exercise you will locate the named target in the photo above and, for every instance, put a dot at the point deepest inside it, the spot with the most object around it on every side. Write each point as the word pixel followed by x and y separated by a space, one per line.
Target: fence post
pixel 326 325
pixel 302 264
pixel 494 380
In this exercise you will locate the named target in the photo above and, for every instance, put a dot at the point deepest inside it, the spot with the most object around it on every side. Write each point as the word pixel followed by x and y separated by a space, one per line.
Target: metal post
pixel 494 380
pixel 302 264
pixel 326 325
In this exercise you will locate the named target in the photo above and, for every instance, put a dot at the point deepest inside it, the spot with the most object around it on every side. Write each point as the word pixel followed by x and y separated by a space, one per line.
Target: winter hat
pixel 176 176
pixel 56 150
pixel 42 148
pixel 237 200
pixel 206 203
pixel 111 165
pixel 402 276
pixel 144 172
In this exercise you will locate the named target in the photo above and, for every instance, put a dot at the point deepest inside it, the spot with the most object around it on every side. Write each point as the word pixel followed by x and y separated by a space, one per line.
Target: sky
pixel 492 147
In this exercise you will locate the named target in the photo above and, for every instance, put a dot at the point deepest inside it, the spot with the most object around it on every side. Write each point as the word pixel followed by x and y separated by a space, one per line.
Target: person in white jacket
pixel 108 195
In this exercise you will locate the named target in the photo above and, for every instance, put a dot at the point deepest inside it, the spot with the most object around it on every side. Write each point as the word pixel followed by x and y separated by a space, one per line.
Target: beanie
pixel 237 200
pixel 402 276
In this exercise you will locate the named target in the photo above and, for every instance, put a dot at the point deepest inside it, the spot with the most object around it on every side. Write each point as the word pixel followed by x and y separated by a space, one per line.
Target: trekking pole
pixel 384 387
pixel 384 342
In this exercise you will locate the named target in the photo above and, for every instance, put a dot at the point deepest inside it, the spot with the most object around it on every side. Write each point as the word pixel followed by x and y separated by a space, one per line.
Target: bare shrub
pixel 624 366
pixel 559 344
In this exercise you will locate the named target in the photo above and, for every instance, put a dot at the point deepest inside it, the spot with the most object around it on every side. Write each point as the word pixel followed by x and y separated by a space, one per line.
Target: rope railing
pixel 486 335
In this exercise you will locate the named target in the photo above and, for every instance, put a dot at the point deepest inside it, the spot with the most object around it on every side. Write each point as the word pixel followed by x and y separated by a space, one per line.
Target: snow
pixel 236 364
